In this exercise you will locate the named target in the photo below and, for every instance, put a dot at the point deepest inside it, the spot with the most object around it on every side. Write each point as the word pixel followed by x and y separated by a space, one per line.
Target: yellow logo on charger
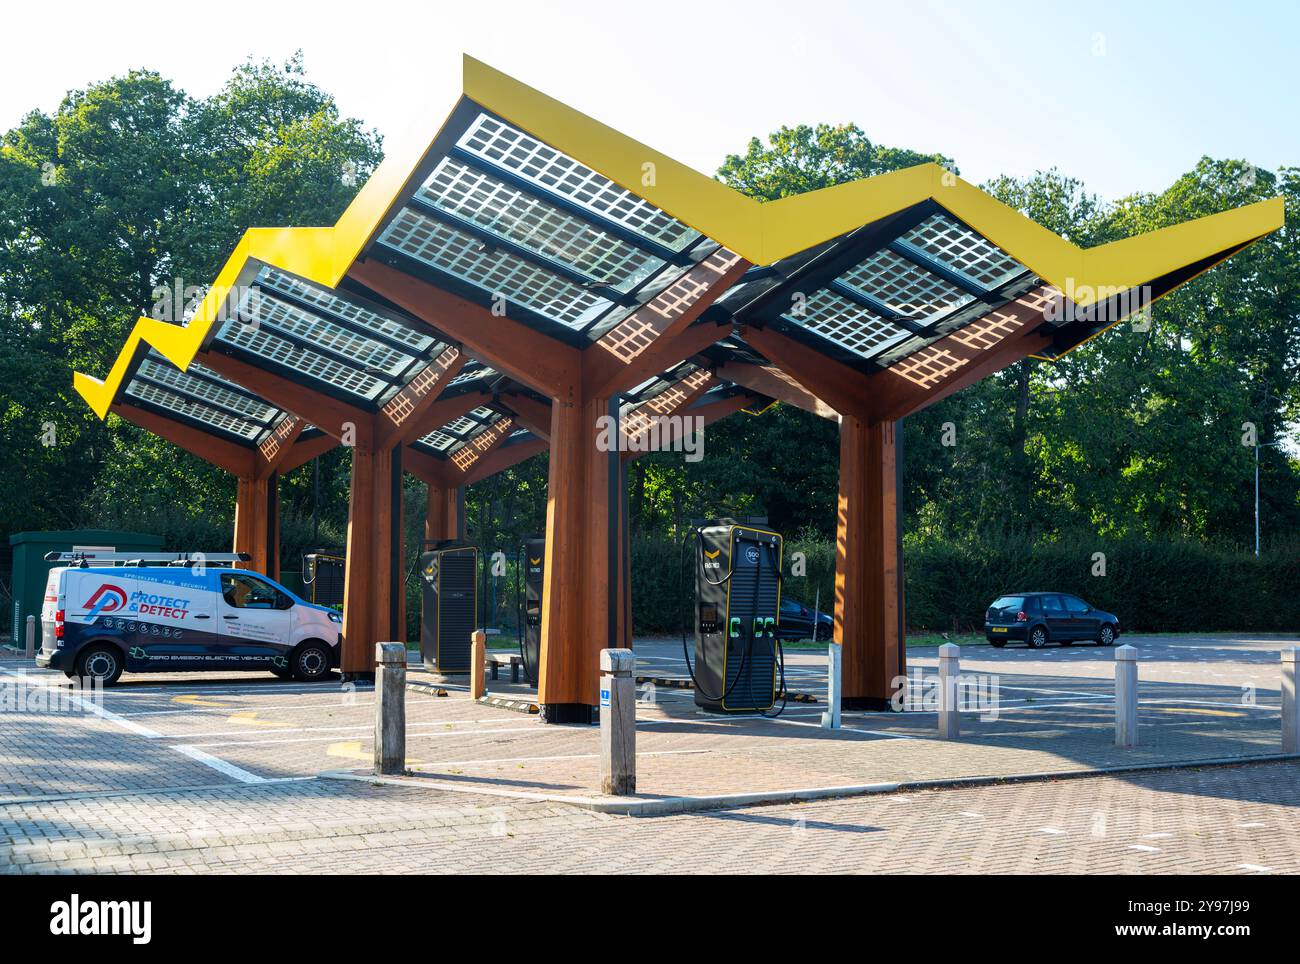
pixel 713 554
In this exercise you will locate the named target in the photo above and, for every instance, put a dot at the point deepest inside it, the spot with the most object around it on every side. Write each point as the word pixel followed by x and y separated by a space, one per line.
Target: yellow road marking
pixel 1194 710
pixel 193 699
pixel 351 750
pixel 249 717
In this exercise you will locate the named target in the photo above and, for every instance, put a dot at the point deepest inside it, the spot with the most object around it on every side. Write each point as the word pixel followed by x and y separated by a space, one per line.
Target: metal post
pixel 834 688
pixel 477 659
pixel 617 722
pixel 390 708
pixel 949 698
pixel 1256 500
pixel 30 651
pixel 1290 718
pixel 1126 696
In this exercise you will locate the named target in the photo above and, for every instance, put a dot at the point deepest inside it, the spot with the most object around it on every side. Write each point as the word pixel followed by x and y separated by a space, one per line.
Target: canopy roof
pixel 521 204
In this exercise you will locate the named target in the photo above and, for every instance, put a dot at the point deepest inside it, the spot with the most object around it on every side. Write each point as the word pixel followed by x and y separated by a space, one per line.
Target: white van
pixel 104 615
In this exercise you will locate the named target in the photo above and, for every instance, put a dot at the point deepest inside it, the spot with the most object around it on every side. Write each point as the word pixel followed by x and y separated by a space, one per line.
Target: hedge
pixel 1153 586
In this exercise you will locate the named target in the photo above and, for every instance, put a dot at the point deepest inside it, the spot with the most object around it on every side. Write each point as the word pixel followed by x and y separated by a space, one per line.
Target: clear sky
pixel 1124 95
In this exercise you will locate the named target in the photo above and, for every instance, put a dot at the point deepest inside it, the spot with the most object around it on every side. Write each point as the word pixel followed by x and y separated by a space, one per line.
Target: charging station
pixel 449 605
pixel 532 557
pixel 322 578
pixel 738 657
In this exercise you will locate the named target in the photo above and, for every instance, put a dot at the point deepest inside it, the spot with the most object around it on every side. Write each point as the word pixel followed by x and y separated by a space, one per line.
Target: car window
pixel 1008 602
pixel 1073 604
pixel 1052 604
pixel 246 592
pixel 789 606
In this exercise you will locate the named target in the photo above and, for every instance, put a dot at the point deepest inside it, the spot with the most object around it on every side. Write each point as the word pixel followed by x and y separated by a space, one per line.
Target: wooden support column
pixel 441 517
pixel 252 522
pixel 371 610
pixel 575 592
pixel 868 564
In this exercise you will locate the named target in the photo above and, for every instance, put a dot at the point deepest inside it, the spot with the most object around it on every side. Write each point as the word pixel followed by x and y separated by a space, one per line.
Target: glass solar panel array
pixel 313 335
pixel 457 433
pixel 935 277
pixel 200 396
pixel 511 218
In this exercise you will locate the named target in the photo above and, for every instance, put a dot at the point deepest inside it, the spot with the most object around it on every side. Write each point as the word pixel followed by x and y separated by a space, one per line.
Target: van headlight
pixel 335 618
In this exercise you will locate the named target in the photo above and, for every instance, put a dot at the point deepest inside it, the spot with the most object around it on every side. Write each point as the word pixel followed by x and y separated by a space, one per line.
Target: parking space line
pixel 332 729
pixel 218 764
pixel 536 730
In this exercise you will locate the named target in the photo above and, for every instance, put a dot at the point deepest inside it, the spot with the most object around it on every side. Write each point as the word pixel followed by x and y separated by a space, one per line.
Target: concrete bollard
pixel 390 708
pixel 1126 696
pixel 834 686
pixel 30 650
pixel 617 722
pixel 477 664
pixel 1290 718
pixel 949 698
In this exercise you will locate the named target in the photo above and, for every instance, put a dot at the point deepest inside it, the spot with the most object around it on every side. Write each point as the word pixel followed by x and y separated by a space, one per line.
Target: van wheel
pixel 100 664
pixel 311 662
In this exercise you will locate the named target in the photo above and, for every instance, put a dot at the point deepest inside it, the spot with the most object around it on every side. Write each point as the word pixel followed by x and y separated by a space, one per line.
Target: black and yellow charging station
pixel 449 605
pixel 739 665
pixel 322 578
pixel 532 557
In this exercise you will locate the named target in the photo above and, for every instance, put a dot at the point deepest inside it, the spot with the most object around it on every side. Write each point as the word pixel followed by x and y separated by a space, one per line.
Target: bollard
pixel 1126 696
pixel 390 708
pixel 949 698
pixel 1290 718
pixel 30 651
pixel 477 664
pixel 617 722
pixel 834 690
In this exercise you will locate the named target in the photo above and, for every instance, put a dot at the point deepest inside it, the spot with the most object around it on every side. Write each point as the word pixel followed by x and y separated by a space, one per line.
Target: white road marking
pixel 87 705
pixel 328 729
pixel 1256 868
pixel 1050 830
pixel 1144 848
pixel 536 730
pixel 218 764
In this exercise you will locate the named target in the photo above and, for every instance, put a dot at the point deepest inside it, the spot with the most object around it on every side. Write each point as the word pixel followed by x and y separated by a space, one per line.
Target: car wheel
pixel 997 643
pixel 824 634
pixel 1107 636
pixel 100 664
pixel 1037 637
pixel 311 662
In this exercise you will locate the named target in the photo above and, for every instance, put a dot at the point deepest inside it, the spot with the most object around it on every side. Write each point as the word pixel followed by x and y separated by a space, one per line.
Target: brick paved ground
pixel 1223 821
pixel 1202 698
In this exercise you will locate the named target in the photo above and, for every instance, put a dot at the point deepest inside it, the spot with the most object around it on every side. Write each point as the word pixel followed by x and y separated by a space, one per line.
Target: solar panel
pixel 962 250
pixel 178 404
pixel 496 273
pixel 287 319
pixel 200 389
pixel 541 227
pixel 550 169
pixel 330 304
pixel 848 325
pixel 905 287
pixel 260 341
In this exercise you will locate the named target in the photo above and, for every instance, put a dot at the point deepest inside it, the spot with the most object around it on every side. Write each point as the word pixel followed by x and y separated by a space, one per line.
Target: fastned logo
pixel 74 918
pixel 106 599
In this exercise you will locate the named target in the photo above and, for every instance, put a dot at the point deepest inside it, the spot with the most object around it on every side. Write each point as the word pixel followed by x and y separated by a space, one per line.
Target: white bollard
pixel 1290 718
pixel 1126 696
pixel 834 687
pixel 30 651
pixel 949 708
pixel 390 708
pixel 617 722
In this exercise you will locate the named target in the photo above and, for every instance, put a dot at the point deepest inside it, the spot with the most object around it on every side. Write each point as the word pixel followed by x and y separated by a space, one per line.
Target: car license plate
pixel 999 629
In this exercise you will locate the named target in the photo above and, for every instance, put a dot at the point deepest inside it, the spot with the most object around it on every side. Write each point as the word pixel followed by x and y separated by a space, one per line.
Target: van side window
pixel 247 592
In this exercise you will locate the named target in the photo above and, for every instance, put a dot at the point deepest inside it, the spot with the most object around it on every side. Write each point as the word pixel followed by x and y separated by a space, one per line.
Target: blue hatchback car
pixel 1039 618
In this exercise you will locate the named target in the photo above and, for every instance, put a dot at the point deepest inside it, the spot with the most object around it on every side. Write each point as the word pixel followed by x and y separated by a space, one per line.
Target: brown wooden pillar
pixel 252 521
pixel 575 591
pixel 868 564
pixel 442 517
pixel 372 605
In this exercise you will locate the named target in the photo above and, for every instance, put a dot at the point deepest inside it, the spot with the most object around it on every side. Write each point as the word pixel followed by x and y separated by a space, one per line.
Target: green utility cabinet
pixel 31 571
